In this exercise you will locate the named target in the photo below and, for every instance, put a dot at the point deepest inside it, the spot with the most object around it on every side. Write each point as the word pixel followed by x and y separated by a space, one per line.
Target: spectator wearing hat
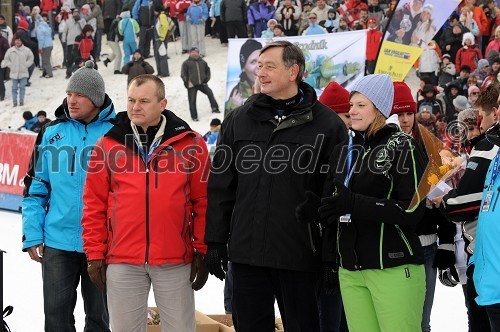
pixel 447 71
pixel 52 233
pixel 314 27
pixel 288 16
pixel 269 33
pixel 196 16
pixel 373 40
pixel 29 120
pixel 451 38
pixel 83 48
pixel 138 66
pixel 429 94
pixel 331 22
pixel 336 97
pixel 303 21
pixel 249 56
pixel 493 77
pixel 211 136
pixel 42 120
pixel 473 93
pixel 494 44
pixel 373 280
pixel 426 118
pixel 428 62
pixel 18 59
pixel 469 53
pixel 482 71
pixel 22 32
pixel 343 27
pixel 451 91
pixel 72 29
pixel 460 103
pixel 128 28
pixel 278 31
pixel 195 74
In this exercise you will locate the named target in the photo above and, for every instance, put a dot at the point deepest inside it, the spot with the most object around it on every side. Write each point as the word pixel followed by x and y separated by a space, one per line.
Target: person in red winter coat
pixel 469 54
pixel 373 38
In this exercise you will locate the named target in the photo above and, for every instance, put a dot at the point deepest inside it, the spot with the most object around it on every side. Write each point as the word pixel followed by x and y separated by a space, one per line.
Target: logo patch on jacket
pixel 56 137
pixel 394 255
pixel 472 165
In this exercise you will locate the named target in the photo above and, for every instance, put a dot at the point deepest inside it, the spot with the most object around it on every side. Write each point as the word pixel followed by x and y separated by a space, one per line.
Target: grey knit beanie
pixel 378 88
pixel 88 82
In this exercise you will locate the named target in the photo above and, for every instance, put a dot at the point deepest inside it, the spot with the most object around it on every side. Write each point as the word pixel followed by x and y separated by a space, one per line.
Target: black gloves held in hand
pixel 307 211
pixel 97 272
pixel 341 202
pixel 444 259
pixel 198 271
pixel 217 259
pixel 449 277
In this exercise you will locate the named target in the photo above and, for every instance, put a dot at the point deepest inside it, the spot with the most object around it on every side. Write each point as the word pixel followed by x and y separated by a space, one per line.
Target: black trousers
pixel 478 318
pixel 192 93
pixel 145 38
pixel 236 28
pixel 255 289
pixel 493 311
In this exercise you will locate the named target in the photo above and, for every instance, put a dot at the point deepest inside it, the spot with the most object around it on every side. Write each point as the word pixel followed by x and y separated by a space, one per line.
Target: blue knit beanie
pixel 378 88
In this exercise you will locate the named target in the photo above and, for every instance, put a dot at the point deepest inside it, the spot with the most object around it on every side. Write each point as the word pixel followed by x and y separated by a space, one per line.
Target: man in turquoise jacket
pixel 52 204
pixel 486 258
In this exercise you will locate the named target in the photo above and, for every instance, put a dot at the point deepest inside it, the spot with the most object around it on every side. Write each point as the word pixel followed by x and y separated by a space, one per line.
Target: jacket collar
pixel 262 106
pixel 106 113
pixel 175 128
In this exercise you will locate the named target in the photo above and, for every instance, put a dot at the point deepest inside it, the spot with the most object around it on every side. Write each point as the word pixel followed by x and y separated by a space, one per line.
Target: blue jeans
pixel 21 85
pixel 430 283
pixel 61 272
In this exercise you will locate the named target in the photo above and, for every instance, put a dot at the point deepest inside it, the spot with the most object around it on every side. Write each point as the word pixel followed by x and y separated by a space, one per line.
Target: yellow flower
pixel 433 179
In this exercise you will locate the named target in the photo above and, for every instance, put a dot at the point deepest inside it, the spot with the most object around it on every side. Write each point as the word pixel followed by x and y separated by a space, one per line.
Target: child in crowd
pixel 447 70
pixel 211 136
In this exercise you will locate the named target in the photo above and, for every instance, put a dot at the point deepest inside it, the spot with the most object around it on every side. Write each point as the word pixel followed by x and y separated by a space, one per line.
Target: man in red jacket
pixel 145 200
pixel 373 38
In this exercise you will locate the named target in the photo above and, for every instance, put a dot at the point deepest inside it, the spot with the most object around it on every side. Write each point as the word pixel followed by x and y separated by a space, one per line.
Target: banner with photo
pixel 412 27
pixel 330 57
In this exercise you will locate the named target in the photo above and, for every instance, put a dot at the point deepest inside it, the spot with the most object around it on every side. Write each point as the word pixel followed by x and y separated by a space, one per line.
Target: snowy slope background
pixel 22 276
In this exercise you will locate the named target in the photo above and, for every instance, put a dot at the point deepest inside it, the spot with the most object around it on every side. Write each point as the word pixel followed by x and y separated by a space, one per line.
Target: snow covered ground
pixel 22 276
pixel 23 290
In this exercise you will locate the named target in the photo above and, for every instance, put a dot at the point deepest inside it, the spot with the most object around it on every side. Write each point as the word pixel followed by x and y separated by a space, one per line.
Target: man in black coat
pixel 271 151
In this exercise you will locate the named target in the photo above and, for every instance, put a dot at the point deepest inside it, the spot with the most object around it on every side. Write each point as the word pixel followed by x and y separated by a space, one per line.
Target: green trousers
pixel 385 300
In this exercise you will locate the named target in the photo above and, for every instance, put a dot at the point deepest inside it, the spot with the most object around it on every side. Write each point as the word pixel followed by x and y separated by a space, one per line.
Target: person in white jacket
pixel 18 58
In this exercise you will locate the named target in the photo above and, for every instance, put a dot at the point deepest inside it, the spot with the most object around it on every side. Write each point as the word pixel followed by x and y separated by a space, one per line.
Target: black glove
pixel 444 259
pixel 340 203
pixel 330 278
pixel 449 277
pixel 198 271
pixel 217 259
pixel 307 211
pixel 97 272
